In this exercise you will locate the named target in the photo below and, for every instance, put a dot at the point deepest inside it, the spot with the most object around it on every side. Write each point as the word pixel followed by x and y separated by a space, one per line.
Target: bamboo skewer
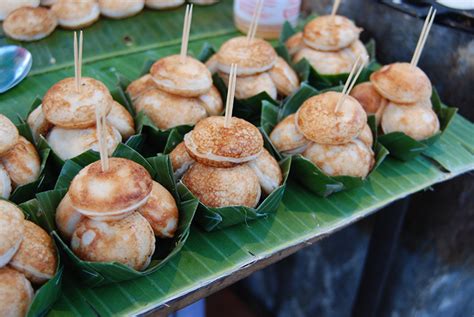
pixel 79 72
pixel 423 36
pixel 99 110
pixel 255 19
pixel 335 7
pixel 229 105
pixel 359 71
pixel 186 30
pixel 101 136
pixel 78 60
pixel 351 80
pixel 420 39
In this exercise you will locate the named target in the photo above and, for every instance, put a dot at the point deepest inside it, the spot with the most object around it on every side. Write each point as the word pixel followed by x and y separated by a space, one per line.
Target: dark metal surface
pixel 433 271
pixel 320 280
pixel 378 263
pixel 460 19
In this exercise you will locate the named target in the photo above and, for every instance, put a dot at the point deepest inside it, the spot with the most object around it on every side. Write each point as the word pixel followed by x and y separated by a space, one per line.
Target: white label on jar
pixel 274 12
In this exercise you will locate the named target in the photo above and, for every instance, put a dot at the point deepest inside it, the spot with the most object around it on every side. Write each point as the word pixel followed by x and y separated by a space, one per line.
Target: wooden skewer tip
pixel 76 61
pixel 186 30
pixel 335 7
pixel 351 80
pixel 423 36
pixel 255 19
pixel 79 72
pixel 230 95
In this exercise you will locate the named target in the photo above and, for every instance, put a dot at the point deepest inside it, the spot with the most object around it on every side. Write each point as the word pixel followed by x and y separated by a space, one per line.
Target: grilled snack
pixel 402 83
pixel 139 86
pixel 74 14
pixel 36 258
pixel 163 4
pixel 180 160
pixel 418 120
pixel 69 143
pixel 12 228
pixel 8 6
pixel 221 187
pixel 67 107
pixel 30 24
pixel 120 119
pixel 318 121
pixel 349 159
pixel 161 212
pixel 286 137
pixel 248 86
pixel 8 134
pixel 129 241
pixel 22 162
pixel 168 110
pixel 118 9
pixel 213 144
pixel 268 172
pixel 16 293
pixel 5 183
pixel 67 217
pixel 186 77
pixel 112 194
pixel 252 57
pixel 38 124
pixel 330 33
pixel 372 102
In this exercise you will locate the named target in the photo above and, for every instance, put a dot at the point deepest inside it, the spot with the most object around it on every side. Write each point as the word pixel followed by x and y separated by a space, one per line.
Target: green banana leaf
pixel 148 30
pixel 96 274
pixel 320 81
pixel 249 108
pixel 404 147
pixel 303 170
pixel 211 219
pixel 48 293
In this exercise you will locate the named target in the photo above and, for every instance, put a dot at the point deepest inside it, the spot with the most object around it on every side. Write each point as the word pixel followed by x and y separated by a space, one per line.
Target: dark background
pixel 433 269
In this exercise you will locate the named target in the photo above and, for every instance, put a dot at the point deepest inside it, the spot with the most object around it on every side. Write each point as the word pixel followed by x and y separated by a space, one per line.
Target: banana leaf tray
pixel 210 261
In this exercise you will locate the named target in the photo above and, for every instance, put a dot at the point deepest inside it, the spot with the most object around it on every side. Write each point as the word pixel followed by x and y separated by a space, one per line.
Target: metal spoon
pixel 15 64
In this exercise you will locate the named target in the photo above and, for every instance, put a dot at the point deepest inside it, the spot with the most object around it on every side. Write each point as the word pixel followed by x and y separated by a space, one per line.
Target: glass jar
pixel 274 14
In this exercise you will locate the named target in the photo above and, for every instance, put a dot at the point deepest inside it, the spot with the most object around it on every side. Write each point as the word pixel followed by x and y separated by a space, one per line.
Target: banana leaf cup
pixel 321 81
pixel 28 191
pixel 47 294
pixel 404 147
pixel 303 170
pixel 101 273
pixel 210 218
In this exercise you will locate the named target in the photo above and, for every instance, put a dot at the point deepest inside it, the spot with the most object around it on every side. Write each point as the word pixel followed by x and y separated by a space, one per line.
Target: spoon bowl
pixel 15 64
